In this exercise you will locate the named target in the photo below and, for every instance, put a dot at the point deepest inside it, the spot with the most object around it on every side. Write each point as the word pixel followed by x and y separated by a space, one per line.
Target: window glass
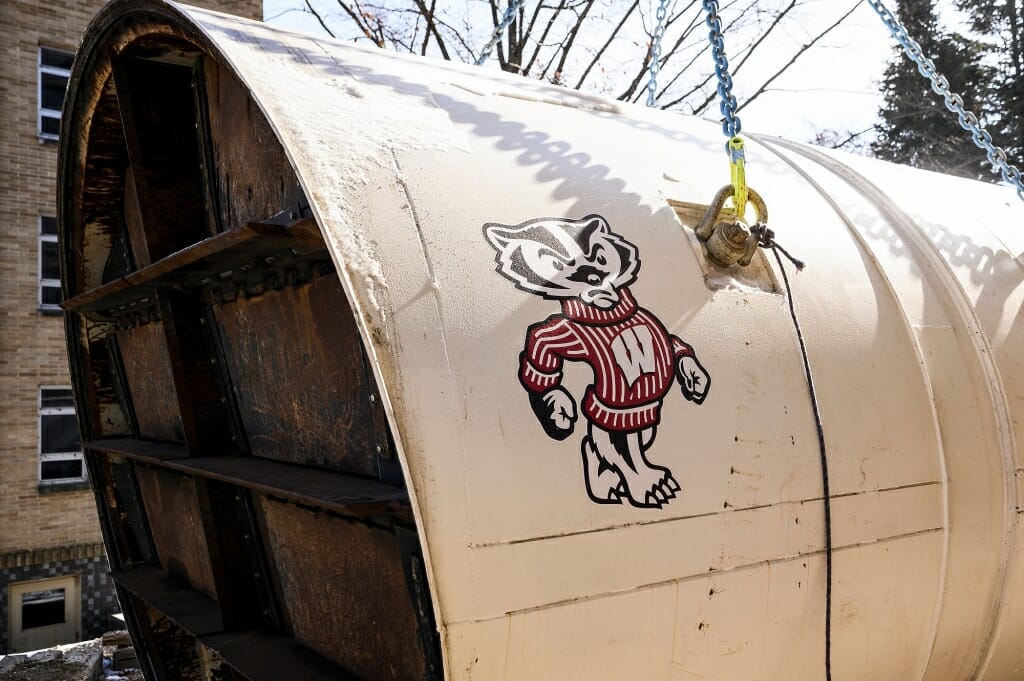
pixel 52 470
pixel 55 58
pixel 42 608
pixel 51 296
pixel 52 398
pixel 52 92
pixel 49 263
pixel 59 433
pixel 54 73
pixel 49 125
pixel 60 453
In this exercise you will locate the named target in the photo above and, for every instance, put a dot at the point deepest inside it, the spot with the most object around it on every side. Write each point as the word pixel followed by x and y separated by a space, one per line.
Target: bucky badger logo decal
pixel 588 268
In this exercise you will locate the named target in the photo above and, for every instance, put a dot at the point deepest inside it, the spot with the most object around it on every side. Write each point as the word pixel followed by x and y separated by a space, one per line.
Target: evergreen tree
pixel 1000 23
pixel 916 128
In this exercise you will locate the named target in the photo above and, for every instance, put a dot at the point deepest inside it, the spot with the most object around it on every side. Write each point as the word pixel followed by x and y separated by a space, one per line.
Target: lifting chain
pixel 731 125
pixel 954 102
pixel 499 31
pixel 654 65
pixel 730 242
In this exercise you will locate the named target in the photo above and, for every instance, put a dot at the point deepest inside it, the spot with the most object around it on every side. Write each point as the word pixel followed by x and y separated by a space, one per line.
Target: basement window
pixel 54 73
pixel 42 608
pixel 60 455
pixel 43 613
pixel 49 266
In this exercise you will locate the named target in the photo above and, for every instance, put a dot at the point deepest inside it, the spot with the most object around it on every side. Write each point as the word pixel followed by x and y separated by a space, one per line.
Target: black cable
pixel 767 240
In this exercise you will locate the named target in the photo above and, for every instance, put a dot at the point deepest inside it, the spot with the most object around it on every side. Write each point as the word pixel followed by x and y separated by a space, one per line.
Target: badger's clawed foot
pixel 652 488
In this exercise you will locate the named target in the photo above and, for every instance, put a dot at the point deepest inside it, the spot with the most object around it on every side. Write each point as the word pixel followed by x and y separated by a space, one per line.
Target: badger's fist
pixel 556 411
pixel 693 379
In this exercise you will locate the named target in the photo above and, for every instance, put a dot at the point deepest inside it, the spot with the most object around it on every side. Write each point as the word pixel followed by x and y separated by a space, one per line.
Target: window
pixel 42 608
pixel 43 613
pixel 54 72
pixel 60 455
pixel 49 265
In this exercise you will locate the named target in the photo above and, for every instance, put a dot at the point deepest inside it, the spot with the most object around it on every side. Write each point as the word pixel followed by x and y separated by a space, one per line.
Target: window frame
pixel 45 282
pixel 57 456
pixel 20 639
pixel 42 111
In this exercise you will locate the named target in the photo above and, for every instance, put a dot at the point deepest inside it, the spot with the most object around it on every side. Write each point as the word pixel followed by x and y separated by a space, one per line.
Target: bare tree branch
pixel 554 56
pixel 611 37
pixel 832 144
pixel 458 37
pixel 634 84
pixel 514 37
pixel 796 56
pixel 357 18
pixel 640 72
pixel 319 19
pixel 704 49
pixel 533 21
pixel 428 14
pixel 675 46
pixel 680 73
pixel 530 41
pixel 544 36
pixel 416 33
pixel 746 52
pixel 494 18
pixel 757 43
pixel 697 20
pixel 572 39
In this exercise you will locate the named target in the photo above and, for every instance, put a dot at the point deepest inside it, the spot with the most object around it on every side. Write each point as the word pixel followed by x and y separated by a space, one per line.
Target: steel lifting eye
pixel 730 242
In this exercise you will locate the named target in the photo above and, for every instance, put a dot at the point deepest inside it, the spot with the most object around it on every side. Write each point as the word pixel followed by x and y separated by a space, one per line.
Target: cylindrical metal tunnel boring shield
pixel 394 369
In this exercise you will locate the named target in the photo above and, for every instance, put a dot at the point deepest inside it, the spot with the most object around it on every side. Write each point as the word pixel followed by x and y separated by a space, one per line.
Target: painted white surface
pixel 909 305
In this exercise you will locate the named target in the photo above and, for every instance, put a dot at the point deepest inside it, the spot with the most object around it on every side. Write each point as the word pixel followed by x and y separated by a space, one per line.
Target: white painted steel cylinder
pixel 522 263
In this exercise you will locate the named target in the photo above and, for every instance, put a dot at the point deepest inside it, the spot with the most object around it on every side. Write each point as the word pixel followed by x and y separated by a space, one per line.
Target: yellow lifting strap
pixel 739 176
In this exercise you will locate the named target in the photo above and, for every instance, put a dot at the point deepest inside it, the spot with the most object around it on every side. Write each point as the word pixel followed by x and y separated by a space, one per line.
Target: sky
pixel 833 86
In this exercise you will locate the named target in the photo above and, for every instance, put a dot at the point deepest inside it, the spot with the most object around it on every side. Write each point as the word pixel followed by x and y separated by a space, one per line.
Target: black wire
pixel 770 243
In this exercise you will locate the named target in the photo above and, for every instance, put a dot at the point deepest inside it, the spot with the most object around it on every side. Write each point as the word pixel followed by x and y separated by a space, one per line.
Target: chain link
pixel 499 30
pixel 731 125
pixel 655 63
pixel 954 102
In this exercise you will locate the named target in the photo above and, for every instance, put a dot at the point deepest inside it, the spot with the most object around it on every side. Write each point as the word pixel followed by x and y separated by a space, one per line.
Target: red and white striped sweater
pixel 631 353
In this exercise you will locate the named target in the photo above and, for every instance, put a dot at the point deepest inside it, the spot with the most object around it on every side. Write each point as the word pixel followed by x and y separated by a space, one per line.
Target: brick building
pixel 53 572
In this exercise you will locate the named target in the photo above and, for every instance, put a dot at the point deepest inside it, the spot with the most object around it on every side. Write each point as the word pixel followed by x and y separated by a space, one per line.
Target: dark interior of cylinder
pixel 254 508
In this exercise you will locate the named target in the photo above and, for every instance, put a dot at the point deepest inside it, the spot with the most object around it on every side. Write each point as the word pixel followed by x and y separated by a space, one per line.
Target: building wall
pixel 32 350
pixel 88 561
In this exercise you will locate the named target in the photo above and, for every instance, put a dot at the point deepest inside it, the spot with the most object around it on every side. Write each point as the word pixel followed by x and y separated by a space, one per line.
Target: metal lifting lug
pixel 730 241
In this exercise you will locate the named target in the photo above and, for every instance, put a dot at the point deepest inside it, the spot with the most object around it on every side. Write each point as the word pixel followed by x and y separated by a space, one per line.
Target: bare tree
pixel 846 140
pixel 602 46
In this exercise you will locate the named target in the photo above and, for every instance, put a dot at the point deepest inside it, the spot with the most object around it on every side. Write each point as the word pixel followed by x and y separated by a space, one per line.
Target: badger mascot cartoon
pixel 588 268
